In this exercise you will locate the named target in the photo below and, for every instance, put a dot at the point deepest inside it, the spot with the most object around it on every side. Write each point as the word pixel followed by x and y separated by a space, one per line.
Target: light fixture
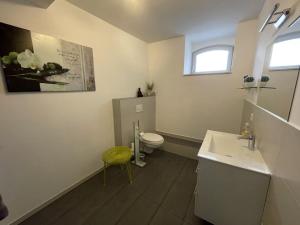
pixel 295 21
pixel 284 15
pixel 280 19
pixel 276 6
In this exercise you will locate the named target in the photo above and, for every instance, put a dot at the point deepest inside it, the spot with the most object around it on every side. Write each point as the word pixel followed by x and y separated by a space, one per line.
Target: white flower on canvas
pixel 27 59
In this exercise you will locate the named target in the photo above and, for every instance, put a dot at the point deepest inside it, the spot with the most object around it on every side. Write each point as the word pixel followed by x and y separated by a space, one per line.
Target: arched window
pixel 212 60
pixel 286 52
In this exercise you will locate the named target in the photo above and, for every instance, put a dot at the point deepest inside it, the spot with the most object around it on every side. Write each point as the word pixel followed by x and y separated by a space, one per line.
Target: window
pixel 215 59
pixel 286 52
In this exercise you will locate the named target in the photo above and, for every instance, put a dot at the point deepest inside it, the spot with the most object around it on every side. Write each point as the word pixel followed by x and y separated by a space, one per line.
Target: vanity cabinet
pixel 228 191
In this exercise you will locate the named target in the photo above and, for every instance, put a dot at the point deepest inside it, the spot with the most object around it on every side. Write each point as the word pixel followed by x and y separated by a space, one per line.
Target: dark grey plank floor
pixel 161 194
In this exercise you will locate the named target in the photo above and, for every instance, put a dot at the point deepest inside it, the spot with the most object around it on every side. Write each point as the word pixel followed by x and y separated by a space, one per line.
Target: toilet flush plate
pixel 139 108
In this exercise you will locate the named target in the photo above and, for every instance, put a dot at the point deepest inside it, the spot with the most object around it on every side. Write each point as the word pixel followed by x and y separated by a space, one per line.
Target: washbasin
pixel 232 181
pixel 227 145
pixel 230 149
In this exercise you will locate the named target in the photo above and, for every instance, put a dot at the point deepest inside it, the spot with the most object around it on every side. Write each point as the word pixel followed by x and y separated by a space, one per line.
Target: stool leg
pixel 128 166
pixel 104 174
pixel 131 170
pixel 122 166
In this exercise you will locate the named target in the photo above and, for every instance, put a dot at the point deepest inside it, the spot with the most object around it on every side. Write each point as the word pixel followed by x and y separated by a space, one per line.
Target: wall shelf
pixel 258 87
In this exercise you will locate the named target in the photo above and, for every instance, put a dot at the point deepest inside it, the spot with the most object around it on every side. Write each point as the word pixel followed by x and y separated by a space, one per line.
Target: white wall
pixel 277 139
pixel 218 41
pixel 279 100
pixel 264 39
pixel 49 141
pixel 279 144
pixel 295 113
pixel 189 105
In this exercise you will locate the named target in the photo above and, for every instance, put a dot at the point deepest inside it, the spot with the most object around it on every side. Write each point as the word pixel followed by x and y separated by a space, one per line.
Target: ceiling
pixel 155 20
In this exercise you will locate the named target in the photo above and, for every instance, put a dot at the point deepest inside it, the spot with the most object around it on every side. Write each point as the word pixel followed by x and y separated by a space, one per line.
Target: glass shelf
pixel 258 87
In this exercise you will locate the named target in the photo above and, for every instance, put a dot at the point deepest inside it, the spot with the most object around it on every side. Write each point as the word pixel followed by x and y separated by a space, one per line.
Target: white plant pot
pixel 249 84
pixel 150 93
pixel 262 84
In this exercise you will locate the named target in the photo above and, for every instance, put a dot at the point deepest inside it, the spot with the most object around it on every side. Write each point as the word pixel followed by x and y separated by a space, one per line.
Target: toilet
pixel 151 141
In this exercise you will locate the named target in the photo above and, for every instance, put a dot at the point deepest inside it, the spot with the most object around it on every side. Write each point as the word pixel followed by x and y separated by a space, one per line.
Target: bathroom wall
pixel 279 100
pixel 50 141
pixel 264 39
pixel 218 41
pixel 189 105
pixel 279 144
pixel 277 140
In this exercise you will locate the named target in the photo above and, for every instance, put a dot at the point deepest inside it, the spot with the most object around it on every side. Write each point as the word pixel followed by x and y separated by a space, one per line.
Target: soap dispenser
pixel 246 130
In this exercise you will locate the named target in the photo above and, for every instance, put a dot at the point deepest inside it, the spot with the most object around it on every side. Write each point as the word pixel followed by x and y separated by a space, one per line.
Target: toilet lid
pixel 152 137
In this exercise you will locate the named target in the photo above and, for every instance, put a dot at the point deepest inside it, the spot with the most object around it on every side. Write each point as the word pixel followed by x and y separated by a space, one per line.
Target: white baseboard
pixel 45 204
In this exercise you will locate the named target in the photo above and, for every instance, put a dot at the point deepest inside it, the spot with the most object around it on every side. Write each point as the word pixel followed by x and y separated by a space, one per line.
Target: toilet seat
pixel 152 138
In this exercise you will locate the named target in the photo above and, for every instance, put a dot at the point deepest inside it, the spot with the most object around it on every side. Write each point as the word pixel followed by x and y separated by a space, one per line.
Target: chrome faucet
pixel 251 141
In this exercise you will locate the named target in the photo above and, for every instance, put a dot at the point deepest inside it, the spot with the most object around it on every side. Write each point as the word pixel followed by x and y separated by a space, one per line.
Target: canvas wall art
pixel 33 62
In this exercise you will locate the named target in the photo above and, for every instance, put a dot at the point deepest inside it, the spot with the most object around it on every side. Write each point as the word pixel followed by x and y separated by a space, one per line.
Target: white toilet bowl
pixel 151 141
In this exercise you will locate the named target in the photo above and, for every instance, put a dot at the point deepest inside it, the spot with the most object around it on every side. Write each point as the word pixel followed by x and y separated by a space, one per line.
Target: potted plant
pixel 27 66
pixel 149 89
pixel 264 80
pixel 249 81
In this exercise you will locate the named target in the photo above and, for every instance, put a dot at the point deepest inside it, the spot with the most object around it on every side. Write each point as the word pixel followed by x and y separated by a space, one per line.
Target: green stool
pixel 119 155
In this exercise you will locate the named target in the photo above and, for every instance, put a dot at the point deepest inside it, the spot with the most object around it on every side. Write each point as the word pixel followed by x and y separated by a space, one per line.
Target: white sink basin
pixel 229 149
pixel 232 181
pixel 226 145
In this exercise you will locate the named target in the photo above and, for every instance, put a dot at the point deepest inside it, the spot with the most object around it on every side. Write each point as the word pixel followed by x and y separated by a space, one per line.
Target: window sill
pixel 208 74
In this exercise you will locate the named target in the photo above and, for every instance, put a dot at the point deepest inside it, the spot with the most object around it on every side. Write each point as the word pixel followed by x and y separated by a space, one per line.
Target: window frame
pixel 282 38
pixel 229 48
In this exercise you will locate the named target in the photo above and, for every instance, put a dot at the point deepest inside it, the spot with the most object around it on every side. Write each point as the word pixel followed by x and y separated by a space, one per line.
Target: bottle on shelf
pixel 246 130
pixel 139 93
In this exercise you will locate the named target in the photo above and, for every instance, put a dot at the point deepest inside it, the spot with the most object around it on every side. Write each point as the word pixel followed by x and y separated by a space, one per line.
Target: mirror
pixel 281 69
